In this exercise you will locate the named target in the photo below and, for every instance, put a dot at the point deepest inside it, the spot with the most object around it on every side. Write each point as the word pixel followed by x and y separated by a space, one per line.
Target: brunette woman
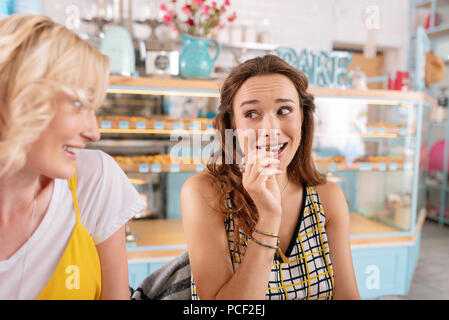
pixel 275 229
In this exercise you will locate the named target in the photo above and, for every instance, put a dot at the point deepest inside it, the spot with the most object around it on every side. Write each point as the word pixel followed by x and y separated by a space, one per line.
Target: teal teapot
pixel 195 61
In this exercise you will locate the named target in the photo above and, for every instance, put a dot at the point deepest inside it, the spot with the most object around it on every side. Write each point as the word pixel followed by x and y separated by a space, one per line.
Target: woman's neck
pixel 282 180
pixel 17 193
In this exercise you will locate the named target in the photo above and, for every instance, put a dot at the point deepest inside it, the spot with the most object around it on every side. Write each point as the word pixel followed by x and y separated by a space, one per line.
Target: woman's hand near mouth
pixel 259 181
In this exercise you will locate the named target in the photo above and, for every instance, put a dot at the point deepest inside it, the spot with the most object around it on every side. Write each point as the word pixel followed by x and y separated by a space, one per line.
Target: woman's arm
pixel 338 234
pixel 208 248
pixel 114 267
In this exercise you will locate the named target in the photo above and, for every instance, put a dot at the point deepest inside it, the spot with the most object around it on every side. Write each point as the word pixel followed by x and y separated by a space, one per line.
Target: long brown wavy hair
pixel 228 176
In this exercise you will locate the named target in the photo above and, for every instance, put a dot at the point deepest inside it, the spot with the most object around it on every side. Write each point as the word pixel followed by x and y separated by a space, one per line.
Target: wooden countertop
pixel 157 239
pixel 163 239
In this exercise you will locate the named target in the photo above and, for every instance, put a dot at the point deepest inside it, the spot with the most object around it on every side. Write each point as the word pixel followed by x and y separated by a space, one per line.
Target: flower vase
pixel 195 61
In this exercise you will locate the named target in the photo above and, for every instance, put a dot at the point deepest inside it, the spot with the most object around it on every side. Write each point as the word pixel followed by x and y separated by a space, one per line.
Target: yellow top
pixel 78 274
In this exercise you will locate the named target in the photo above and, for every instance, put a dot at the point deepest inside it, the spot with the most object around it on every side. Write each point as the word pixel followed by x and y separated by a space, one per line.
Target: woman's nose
pixel 270 123
pixel 269 130
pixel 91 132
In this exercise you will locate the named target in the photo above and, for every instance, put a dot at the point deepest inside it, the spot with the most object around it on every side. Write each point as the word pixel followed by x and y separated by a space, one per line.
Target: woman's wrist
pixel 268 224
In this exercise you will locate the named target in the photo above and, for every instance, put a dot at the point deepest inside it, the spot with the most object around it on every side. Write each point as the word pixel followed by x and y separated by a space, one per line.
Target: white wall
pixel 313 24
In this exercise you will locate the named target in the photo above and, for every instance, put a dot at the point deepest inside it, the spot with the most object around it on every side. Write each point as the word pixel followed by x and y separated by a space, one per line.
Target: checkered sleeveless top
pixel 308 273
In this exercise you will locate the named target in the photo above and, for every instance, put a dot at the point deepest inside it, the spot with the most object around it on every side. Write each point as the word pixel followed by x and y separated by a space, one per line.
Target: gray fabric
pixel 169 282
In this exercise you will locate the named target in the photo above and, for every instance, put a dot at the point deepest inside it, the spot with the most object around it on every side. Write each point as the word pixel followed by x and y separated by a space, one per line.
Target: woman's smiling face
pixel 56 149
pixel 269 107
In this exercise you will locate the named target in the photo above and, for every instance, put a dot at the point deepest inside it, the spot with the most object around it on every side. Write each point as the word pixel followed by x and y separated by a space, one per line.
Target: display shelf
pixel 438 31
pixel 428 3
pixel 435 32
pixel 155 131
pixel 211 88
pixel 254 46
pixel 163 86
pixel 392 135
pixel 438 219
pixel 165 167
pixel 364 166
pixel 120 124
pixel 212 132
pixel 374 136
pixel 161 167
pixel 422 3
pixel 324 166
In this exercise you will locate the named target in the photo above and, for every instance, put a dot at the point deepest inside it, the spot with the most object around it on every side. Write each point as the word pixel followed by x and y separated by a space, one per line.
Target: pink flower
pixel 198 2
pixel 232 18
pixel 223 9
pixel 186 10
pixel 205 8
pixel 227 3
pixel 163 7
pixel 167 18
pixel 214 4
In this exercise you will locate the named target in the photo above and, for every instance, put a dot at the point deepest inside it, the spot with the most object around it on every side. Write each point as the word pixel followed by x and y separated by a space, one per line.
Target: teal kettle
pixel 118 46
pixel 195 61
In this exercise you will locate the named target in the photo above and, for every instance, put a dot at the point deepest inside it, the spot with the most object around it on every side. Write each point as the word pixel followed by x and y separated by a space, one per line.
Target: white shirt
pixel 107 200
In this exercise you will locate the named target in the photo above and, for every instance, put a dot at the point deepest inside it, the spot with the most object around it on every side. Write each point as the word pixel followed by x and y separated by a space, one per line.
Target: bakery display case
pixel 140 123
pixel 366 141
pixel 372 145
pixel 369 143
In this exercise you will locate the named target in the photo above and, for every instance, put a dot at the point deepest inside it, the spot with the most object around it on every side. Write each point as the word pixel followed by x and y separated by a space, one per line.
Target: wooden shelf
pixel 211 88
pixel 387 135
pixel 438 31
pixel 161 167
pixel 164 86
pixel 422 3
pixel 155 131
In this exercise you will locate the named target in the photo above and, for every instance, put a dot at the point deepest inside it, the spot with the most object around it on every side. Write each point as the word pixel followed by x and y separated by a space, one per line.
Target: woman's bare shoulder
pixel 333 201
pixel 328 189
pixel 200 192
pixel 203 182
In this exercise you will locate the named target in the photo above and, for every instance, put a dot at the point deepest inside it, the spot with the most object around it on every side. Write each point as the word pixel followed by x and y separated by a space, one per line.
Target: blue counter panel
pixel 380 271
pixel 385 270
pixel 137 272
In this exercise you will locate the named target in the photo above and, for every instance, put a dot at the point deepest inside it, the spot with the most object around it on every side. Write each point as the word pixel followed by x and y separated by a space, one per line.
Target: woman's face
pixel 56 149
pixel 269 102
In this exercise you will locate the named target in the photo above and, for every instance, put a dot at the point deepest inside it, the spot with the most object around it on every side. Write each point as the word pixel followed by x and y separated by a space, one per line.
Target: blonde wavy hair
pixel 39 59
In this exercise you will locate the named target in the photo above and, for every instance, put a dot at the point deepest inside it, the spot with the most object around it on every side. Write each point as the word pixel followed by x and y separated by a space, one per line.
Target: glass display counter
pixel 369 143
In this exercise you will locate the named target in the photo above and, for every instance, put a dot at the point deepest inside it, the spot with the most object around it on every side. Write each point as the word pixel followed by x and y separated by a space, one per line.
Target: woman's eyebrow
pixel 255 101
pixel 279 100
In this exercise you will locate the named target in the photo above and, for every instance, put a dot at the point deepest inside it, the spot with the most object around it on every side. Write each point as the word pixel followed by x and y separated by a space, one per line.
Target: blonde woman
pixel 62 208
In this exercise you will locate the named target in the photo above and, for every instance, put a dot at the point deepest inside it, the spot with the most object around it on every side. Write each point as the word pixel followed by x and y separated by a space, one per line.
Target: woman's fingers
pixel 256 164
